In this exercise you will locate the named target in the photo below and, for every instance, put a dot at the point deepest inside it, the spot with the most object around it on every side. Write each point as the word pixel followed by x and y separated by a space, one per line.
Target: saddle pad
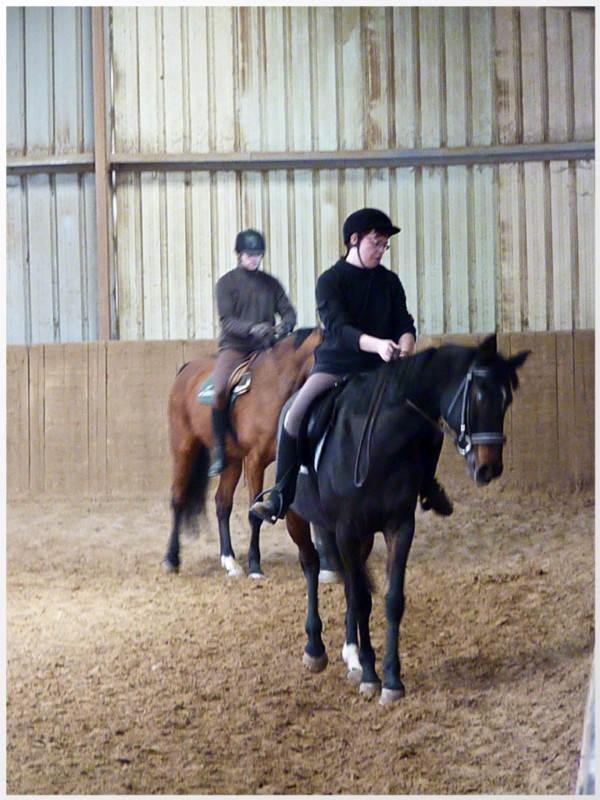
pixel 206 392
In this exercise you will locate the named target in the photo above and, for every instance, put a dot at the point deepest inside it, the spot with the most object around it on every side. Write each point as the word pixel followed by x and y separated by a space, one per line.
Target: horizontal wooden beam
pixel 359 159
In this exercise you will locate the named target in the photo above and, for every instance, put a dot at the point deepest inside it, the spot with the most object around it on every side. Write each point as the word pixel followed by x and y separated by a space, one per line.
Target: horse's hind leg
pixel 185 452
pixel 315 655
pixel 171 560
pixel 329 557
pixel 224 504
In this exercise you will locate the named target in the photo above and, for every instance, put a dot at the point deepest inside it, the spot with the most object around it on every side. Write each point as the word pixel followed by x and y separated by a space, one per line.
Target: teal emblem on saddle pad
pixel 206 392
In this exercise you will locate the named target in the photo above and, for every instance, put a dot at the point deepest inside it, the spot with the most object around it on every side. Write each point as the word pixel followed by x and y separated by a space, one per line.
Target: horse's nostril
pixel 487 472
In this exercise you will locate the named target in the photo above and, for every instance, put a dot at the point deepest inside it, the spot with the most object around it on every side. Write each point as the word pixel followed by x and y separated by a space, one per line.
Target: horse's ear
pixel 487 349
pixel 513 365
pixel 517 361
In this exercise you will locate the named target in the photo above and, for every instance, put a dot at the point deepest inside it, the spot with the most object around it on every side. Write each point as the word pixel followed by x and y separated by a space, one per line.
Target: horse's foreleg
pixel 255 569
pixel 350 651
pixel 224 504
pixel 398 549
pixel 255 472
pixel 315 655
pixel 359 605
pixel 350 648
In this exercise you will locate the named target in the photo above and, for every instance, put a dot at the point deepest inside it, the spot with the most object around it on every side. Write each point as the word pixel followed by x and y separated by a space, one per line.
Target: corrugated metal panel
pixel 51 251
pixel 492 247
pixel 49 94
pixel 225 80
pixel 507 247
pixel 51 287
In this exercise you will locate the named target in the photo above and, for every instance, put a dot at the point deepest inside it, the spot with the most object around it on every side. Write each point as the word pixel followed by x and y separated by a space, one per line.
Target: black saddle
pixel 318 420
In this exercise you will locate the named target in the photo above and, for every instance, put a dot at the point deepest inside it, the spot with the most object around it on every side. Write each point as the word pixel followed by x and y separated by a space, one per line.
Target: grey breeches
pixel 227 361
pixel 316 384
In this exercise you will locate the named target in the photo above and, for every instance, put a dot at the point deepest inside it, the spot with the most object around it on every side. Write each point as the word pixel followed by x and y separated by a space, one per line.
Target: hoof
pixel 329 576
pixel 354 675
pixel 315 664
pixel 257 575
pixel 169 568
pixel 391 696
pixel 231 566
pixel 369 690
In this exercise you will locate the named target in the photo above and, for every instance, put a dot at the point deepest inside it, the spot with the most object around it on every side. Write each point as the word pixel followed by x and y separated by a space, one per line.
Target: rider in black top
pixel 362 305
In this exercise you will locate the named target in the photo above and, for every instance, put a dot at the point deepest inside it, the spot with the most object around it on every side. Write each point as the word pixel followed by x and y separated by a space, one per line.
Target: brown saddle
pixel 238 383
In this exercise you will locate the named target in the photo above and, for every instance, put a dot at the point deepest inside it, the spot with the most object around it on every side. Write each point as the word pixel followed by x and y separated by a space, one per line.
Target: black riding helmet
pixel 251 242
pixel 368 219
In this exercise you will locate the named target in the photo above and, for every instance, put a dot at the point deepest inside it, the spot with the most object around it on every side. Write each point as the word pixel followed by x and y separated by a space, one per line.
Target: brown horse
pixel 277 373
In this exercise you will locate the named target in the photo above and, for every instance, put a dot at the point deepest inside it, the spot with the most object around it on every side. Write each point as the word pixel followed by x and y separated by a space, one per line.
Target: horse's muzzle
pixel 485 464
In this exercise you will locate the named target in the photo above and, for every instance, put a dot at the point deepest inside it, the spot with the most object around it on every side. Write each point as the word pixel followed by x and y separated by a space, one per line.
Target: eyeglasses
pixel 377 243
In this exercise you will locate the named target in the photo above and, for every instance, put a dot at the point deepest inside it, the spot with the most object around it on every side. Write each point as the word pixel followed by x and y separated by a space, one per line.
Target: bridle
pixel 465 438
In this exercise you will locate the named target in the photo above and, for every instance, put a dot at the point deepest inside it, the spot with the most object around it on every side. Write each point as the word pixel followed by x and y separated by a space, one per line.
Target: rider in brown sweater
pixel 247 301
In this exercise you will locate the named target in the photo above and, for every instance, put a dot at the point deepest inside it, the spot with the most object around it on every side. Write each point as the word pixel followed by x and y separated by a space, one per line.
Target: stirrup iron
pixel 274 515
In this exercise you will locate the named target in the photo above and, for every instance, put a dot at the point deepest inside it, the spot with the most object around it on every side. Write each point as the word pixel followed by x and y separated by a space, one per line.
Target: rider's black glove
pixel 283 329
pixel 261 329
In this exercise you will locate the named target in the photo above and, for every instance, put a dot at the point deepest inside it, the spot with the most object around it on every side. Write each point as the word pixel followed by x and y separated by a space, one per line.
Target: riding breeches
pixel 227 361
pixel 317 383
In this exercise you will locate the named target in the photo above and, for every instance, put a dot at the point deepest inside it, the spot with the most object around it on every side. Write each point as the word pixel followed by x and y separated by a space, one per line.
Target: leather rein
pixel 463 440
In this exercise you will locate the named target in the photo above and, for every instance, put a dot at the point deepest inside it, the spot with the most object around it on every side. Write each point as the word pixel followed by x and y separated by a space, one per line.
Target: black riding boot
pixel 432 495
pixel 220 426
pixel 281 496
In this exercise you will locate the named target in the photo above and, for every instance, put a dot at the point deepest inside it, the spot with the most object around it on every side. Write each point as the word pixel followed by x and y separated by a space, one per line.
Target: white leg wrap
pixel 329 576
pixel 231 565
pixel 351 660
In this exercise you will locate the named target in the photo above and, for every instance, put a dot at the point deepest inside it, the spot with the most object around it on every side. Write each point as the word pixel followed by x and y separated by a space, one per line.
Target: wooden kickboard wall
pixel 91 419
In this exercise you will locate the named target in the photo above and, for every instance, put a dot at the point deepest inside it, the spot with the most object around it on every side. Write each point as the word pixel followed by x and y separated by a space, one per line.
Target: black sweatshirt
pixel 352 301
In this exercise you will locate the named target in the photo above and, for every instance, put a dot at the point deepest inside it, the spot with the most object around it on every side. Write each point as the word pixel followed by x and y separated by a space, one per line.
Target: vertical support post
pixel 101 172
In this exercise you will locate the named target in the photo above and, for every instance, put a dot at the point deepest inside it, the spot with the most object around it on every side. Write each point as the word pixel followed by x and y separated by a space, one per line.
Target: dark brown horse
pixel 276 374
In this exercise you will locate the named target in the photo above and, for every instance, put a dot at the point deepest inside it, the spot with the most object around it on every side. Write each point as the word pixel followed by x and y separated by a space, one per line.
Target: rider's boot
pixel 220 426
pixel 280 497
pixel 432 494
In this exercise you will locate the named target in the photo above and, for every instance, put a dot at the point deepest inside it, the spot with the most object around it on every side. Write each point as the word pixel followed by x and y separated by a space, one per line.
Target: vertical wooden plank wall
pixel 92 419
pixel 17 420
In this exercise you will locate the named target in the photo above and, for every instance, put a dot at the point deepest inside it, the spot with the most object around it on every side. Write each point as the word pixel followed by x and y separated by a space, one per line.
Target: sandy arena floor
pixel 123 680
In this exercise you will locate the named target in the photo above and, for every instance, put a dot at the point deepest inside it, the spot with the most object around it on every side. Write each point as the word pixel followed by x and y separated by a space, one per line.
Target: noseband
pixel 465 438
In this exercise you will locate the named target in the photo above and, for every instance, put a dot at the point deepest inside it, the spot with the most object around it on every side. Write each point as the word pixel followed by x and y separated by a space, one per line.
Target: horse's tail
pixel 194 496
